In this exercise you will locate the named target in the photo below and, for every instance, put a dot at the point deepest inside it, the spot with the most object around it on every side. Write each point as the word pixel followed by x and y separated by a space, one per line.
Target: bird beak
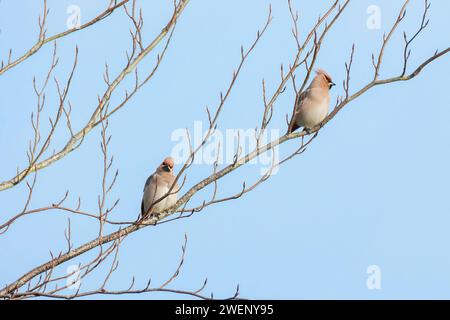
pixel 332 84
pixel 166 168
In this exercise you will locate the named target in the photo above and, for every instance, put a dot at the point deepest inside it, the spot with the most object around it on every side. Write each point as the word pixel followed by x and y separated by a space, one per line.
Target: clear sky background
pixel 373 189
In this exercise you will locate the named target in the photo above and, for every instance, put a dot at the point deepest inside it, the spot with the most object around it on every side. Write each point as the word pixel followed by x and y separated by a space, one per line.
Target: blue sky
pixel 371 190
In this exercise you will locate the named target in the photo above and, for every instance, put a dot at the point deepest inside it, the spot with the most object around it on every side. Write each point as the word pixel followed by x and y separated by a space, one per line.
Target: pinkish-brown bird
pixel 160 191
pixel 311 106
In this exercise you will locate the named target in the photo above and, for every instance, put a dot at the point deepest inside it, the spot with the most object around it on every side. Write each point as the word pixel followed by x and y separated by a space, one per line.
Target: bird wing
pixel 299 100
pixel 297 105
pixel 149 180
pixel 149 193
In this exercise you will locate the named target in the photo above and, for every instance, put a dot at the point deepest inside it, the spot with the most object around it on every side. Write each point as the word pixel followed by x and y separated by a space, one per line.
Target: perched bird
pixel 159 185
pixel 311 106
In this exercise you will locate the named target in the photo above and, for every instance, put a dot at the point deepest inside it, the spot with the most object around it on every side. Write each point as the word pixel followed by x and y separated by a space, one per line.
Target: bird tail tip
pixel 292 128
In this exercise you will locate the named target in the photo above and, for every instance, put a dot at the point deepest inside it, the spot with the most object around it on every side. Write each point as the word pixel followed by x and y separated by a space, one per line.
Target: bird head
pixel 166 165
pixel 325 78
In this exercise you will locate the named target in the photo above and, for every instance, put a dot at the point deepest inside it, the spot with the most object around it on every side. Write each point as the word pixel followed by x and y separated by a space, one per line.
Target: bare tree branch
pixel 42 40
pixel 78 137
pixel 38 280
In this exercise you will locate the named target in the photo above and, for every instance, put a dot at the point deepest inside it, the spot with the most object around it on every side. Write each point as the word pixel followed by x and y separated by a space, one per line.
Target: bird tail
pixel 292 127
pixel 142 209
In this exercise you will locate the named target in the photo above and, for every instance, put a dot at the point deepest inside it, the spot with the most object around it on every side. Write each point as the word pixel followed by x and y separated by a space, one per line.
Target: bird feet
pixel 155 215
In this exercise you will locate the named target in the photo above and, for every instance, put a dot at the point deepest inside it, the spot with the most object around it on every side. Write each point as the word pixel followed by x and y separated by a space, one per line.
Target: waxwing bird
pixel 160 184
pixel 311 106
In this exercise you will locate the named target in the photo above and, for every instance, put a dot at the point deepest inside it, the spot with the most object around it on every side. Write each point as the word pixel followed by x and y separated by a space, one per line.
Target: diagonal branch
pixel 11 289
pixel 42 40
pixel 77 138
